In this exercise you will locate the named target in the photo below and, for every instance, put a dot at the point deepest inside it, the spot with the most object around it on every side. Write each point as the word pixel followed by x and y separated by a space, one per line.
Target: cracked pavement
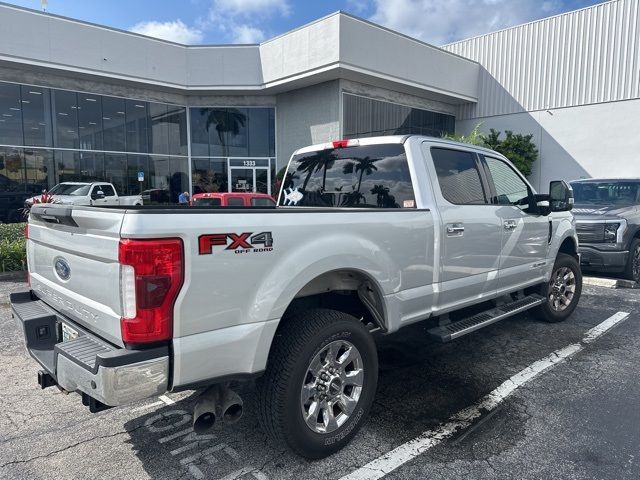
pixel 580 420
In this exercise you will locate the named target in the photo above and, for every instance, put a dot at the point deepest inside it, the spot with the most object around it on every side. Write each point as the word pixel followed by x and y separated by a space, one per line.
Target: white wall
pixel 599 140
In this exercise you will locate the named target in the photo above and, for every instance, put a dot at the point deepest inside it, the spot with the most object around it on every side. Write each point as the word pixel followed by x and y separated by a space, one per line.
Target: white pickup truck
pixel 88 193
pixel 370 235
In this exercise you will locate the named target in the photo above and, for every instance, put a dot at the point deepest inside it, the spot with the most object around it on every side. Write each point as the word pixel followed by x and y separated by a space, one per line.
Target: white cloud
pixel 440 22
pixel 240 21
pixel 175 31
pixel 247 34
pixel 358 6
pixel 249 7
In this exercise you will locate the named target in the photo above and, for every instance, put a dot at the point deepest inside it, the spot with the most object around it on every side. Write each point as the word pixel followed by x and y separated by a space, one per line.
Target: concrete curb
pixel 20 276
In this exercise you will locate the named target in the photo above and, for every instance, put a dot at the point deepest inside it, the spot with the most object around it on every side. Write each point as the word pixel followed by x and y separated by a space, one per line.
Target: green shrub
pixel 13 254
pixel 12 231
pixel 518 148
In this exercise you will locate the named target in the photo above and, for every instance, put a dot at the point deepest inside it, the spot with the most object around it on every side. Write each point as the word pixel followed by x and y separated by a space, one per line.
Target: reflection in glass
pixel 113 119
pixel 36 116
pixel 115 172
pixel 65 119
pixel 90 121
pixel 375 176
pixel 209 175
pixel 234 132
pixel 137 126
pixel 10 114
pixel 242 180
pixel 39 169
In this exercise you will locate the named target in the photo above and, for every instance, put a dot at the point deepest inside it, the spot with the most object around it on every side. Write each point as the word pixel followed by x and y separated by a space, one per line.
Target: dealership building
pixel 84 102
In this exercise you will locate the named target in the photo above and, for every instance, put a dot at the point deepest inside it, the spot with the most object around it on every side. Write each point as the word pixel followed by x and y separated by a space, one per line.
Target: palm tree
pixel 226 120
pixel 365 165
pixel 309 165
pixel 381 192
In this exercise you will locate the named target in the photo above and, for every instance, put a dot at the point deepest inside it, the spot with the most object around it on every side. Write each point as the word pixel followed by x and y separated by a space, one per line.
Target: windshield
pixel 70 189
pixel 606 193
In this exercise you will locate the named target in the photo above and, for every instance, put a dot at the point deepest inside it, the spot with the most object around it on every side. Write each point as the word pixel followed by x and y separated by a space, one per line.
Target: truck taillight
pixel 26 231
pixel 151 275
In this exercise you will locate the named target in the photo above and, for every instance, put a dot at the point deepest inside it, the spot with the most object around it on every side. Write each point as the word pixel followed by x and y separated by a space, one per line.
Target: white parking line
pixel 147 406
pixel 397 457
pixel 166 400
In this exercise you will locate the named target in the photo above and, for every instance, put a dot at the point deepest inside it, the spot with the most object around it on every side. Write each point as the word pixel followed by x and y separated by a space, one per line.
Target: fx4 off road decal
pixel 238 242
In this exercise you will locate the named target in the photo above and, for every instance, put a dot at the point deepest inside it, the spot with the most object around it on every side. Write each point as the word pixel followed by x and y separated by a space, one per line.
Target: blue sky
pixel 251 21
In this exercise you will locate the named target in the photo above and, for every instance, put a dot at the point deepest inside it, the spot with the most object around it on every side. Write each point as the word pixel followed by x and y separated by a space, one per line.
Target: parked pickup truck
pixel 232 199
pixel 608 224
pixel 369 236
pixel 84 193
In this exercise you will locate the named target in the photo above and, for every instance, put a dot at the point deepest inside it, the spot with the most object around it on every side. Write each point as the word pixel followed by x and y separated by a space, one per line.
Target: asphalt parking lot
pixel 579 418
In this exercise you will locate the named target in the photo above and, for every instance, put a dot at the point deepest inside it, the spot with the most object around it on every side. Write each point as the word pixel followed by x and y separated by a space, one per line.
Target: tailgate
pixel 73 265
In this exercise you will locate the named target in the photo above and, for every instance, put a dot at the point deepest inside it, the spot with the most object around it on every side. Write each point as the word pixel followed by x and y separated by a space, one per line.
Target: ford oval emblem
pixel 62 268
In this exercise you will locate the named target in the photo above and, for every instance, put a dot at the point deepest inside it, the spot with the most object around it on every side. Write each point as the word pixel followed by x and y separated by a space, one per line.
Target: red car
pixel 219 199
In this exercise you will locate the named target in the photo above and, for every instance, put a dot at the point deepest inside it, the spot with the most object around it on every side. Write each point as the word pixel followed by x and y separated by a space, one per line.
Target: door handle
pixel 510 225
pixel 455 229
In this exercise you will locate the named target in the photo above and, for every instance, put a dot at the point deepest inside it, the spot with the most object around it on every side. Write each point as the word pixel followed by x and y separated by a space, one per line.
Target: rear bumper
pixel 87 364
pixel 593 259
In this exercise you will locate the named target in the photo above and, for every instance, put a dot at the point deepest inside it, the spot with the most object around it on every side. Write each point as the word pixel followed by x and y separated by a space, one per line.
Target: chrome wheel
pixel 332 386
pixel 562 288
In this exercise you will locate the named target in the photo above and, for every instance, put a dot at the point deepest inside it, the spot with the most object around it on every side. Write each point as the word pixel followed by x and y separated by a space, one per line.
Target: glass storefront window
pixel 39 169
pixel 209 175
pixel 237 130
pixel 115 172
pixel 137 113
pixel 177 122
pixel 90 121
pixel 65 119
pixel 113 120
pixel 10 115
pixel 36 116
pixel 233 132
pixel 79 166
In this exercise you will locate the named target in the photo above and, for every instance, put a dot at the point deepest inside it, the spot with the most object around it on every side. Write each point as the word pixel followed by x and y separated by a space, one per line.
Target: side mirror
pixel 98 195
pixel 560 196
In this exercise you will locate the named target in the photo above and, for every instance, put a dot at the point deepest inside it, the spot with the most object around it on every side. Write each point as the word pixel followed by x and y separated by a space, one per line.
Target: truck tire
pixel 320 382
pixel 632 270
pixel 563 290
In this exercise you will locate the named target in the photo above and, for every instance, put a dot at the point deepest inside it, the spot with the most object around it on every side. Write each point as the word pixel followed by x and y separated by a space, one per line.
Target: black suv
pixel 607 216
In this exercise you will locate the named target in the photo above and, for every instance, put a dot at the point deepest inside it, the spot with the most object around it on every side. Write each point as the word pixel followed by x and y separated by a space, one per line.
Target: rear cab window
pixel 459 176
pixel 262 202
pixel 363 176
pixel 235 202
pixel 207 202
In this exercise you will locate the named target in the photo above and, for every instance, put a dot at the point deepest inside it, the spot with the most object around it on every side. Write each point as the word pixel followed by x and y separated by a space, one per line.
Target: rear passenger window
pixel 458 176
pixel 235 202
pixel 368 176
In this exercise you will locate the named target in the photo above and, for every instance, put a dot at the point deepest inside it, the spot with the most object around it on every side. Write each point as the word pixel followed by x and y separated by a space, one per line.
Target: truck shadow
pixel 421 384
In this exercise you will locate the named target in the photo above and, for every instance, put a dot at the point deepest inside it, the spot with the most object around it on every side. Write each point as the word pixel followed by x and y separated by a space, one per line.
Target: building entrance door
pixel 241 180
pixel 249 176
